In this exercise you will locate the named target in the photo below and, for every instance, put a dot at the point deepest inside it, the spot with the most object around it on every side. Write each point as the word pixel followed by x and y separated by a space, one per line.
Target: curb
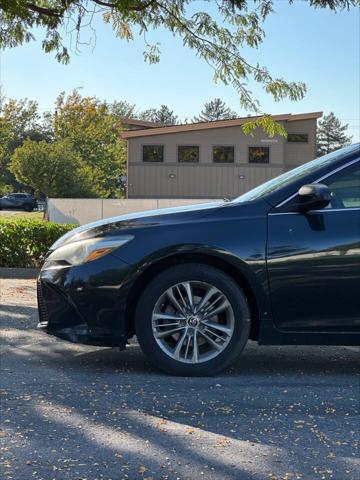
pixel 21 273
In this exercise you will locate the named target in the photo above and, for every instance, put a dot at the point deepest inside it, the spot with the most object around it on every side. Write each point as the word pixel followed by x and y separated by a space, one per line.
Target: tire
pixel 28 208
pixel 229 329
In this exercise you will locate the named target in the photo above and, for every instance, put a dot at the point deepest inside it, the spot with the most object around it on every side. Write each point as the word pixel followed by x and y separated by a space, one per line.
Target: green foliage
pixel 79 151
pixel 24 242
pixel 331 135
pixel 123 109
pixel 215 110
pixel 162 115
pixel 218 37
pixel 94 133
pixel 19 120
pixel 52 169
pixel 5 189
pixel 267 124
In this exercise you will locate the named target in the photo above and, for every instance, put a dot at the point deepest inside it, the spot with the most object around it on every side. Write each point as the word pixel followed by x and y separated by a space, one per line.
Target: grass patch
pixel 9 215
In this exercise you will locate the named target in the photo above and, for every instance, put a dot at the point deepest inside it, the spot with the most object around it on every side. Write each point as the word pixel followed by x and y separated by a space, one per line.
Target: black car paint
pixel 297 252
pixel 94 302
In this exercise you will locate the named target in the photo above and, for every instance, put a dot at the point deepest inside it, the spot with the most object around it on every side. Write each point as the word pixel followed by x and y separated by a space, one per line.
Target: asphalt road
pixel 76 412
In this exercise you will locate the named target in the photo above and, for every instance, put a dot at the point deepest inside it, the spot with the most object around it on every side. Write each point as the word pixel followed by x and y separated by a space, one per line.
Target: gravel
pixel 76 412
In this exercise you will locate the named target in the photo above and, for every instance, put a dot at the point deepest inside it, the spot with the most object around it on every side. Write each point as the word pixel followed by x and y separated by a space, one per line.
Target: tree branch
pixel 208 41
pixel 138 8
pixel 58 14
pixel 44 11
pixel 105 4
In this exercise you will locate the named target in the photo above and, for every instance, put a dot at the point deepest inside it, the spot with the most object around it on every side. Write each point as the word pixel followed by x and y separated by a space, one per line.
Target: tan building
pixel 214 159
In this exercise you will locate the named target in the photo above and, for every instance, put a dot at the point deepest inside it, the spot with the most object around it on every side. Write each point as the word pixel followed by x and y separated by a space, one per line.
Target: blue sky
pixel 318 47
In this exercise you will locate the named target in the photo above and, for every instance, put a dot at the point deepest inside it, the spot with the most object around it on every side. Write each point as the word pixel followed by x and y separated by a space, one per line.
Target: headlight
pixel 84 251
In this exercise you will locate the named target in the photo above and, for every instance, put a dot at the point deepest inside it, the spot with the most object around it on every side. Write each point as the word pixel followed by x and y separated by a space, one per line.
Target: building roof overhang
pixel 140 123
pixel 189 127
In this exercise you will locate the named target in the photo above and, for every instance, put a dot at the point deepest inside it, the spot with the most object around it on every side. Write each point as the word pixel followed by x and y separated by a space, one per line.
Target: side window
pixel 298 138
pixel 259 154
pixel 153 153
pixel 223 154
pixel 345 187
pixel 188 154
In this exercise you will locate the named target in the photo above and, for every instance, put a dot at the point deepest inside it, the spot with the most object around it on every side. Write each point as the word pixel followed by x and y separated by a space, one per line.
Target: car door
pixel 12 201
pixel 313 260
pixel 21 200
pixel 18 200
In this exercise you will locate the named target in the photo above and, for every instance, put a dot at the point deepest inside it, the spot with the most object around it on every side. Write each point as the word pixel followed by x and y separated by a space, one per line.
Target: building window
pixel 259 154
pixel 188 153
pixel 298 137
pixel 223 154
pixel 153 153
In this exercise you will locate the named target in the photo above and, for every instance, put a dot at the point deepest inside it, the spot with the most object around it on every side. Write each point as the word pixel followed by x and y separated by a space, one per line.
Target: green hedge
pixel 24 242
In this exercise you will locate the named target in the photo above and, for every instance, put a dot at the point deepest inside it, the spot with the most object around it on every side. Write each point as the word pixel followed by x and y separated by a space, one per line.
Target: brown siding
pixel 206 179
pixel 298 153
pixel 206 139
pixel 189 181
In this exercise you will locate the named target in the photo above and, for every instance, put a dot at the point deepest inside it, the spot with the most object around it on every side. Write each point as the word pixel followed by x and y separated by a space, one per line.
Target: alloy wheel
pixel 193 322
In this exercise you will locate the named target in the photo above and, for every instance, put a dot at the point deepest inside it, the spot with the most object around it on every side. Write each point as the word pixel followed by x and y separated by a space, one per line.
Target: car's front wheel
pixel 192 319
pixel 28 208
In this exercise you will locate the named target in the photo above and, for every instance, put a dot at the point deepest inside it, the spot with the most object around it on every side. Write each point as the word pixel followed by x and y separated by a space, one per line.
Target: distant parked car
pixel 24 201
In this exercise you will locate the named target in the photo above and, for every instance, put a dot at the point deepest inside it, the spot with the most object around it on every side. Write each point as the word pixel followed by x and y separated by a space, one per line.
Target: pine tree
pixel 160 115
pixel 215 110
pixel 123 109
pixel 331 135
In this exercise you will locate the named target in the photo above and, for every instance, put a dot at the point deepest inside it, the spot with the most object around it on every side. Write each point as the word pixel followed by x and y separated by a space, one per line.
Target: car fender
pixel 256 279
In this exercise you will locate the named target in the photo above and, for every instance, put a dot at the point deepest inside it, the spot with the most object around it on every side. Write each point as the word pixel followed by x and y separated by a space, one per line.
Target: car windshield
pixel 295 174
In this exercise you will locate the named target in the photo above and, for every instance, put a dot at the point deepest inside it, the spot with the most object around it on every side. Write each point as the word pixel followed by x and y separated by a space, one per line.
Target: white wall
pixel 84 210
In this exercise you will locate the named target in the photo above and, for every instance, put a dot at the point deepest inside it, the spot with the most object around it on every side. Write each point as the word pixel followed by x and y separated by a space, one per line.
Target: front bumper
pixel 85 304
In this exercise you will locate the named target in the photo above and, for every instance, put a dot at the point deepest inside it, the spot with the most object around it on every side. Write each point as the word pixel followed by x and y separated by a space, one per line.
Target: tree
pixel 215 110
pixel 161 115
pixel 90 126
pixel 219 38
pixel 331 135
pixel 19 120
pixel 123 109
pixel 52 169
pixel 94 133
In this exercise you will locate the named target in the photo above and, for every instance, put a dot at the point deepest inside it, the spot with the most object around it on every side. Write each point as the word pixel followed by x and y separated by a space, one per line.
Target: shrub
pixel 24 242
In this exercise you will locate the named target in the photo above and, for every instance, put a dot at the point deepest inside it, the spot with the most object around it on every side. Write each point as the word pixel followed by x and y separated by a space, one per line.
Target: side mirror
pixel 312 197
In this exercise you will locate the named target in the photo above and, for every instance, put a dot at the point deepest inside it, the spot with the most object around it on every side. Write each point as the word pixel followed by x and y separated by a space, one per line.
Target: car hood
pixel 137 219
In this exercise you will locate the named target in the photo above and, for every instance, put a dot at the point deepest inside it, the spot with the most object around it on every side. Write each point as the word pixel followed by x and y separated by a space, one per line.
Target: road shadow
pixel 255 361
pixel 11 309
pixel 104 403
pixel 239 425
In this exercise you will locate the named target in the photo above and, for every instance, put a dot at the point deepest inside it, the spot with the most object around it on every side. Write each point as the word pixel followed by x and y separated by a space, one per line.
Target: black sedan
pixel 279 265
pixel 18 201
